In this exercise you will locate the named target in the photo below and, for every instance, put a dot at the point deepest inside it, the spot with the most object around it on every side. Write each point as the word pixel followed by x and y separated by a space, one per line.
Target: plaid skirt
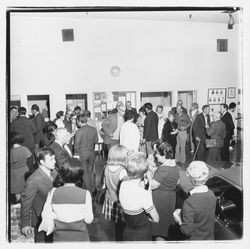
pixel 112 211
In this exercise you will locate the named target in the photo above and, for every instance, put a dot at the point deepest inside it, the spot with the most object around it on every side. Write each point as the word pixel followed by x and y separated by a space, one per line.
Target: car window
pixel 229 207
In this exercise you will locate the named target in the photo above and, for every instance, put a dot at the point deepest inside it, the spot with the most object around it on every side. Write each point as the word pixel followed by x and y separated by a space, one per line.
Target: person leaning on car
pixel 196 218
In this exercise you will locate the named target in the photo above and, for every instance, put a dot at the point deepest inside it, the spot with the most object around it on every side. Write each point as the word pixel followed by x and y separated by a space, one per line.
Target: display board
pixel 105 102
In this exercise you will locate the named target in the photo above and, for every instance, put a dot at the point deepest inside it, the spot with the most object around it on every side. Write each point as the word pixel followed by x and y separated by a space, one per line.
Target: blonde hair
pixel 137 165
pixel 198 172
pixel 117 155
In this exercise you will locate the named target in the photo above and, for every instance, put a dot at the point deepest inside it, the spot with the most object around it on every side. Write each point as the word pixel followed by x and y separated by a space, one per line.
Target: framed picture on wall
pixel 231 92
pixel 216 96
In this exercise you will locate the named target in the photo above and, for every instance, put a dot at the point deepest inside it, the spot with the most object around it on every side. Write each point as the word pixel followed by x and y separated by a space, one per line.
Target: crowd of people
pixel 52 168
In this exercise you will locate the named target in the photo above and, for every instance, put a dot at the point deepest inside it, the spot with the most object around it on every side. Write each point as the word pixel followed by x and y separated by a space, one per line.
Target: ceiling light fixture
pixel 231 21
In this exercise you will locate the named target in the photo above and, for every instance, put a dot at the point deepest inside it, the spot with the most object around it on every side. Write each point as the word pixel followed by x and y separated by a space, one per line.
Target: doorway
pixel 73 100
pixel 157 98
pixel 188 98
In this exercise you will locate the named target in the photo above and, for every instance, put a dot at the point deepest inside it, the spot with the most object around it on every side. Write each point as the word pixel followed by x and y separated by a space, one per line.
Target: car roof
pixel 232 175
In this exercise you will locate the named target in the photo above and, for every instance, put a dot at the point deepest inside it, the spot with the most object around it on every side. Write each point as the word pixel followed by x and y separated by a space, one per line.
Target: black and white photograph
pixel 125 124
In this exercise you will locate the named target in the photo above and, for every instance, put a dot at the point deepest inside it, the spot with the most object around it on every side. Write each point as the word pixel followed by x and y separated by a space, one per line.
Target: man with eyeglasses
pixel 111 126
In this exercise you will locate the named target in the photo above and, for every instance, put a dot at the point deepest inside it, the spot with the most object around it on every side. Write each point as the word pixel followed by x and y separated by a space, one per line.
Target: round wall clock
pixel 115 71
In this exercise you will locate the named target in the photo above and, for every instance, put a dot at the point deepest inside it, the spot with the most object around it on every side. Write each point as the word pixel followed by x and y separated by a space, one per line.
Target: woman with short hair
pixel 129 133
pixel 196 218
pixel 169 132
pixel 18 163
pixel 136 201
pixel 49 133
pixel 163 184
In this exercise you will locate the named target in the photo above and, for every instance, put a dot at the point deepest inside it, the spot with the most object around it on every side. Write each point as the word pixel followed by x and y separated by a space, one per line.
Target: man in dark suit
pixel 228 121
pixel 67 121
pixel 85 139
pixel 25 127
pixel 201 122
pixel 150 131
pixel 132 109
pixel 39 123
pixel 59 146
pixel 35 194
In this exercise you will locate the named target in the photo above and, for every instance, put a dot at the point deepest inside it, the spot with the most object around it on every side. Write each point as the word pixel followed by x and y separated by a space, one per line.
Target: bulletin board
pixel 105 102
pixel 216 96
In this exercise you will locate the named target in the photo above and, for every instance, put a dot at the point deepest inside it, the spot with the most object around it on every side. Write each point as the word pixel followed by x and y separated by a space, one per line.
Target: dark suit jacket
pixel 60 154
pixel 228 121
pixel 34 196
pixel 68 124
pixel 39 123
pixel 217 131
pixel 199 129
pixel 85 139
pixel 27 129
pixel 150 131
pixel 109 126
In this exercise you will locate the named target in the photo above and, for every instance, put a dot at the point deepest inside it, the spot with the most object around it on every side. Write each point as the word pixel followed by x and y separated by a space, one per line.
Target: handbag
pixel 211 143
pixel 48 215
pixel 100 195
pixel 101 190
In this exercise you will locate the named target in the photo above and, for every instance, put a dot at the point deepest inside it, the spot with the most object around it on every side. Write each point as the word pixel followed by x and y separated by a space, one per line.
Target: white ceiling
pixel 182 16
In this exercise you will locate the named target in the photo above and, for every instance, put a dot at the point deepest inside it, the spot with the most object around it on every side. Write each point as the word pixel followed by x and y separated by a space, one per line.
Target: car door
pixel 229 209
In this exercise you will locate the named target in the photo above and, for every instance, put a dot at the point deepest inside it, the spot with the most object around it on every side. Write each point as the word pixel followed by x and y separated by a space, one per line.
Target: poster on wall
pixel 216 96
pixel 231 92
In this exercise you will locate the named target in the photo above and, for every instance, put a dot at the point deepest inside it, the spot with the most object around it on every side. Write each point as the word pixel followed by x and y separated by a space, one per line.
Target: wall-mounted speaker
pixel 67 35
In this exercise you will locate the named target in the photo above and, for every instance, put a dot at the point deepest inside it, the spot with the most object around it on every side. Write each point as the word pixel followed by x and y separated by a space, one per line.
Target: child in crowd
pixel 114 172
pixel 136 201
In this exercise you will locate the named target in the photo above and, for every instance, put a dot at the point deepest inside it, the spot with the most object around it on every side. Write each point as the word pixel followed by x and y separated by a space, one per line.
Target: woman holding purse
pixel 217 132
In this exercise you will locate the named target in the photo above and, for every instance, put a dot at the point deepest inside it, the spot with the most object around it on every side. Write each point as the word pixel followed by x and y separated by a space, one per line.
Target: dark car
pixel 227 187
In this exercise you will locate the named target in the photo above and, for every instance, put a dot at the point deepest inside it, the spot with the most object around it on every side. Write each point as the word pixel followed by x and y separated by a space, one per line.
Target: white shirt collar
pixel 199 189
pixel 193 112
pixel 224 113
pixel 45 170
pixel 169 162
pixel 59 143
pixel 36 114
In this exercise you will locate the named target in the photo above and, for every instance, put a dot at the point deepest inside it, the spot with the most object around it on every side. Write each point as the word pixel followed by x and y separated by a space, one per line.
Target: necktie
pixel 51 176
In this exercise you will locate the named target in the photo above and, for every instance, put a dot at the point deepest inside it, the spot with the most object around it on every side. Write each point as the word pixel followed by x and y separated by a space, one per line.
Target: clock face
pixel 115 71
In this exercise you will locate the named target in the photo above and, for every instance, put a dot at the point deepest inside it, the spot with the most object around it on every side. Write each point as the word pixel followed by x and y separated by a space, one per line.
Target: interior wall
pixel 152 55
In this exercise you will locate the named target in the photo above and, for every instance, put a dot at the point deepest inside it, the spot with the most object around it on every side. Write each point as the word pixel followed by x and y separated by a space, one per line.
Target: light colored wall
pixel 152 55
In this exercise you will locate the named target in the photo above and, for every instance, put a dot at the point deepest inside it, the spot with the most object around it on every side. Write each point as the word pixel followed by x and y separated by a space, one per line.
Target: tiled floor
pixel 100 229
